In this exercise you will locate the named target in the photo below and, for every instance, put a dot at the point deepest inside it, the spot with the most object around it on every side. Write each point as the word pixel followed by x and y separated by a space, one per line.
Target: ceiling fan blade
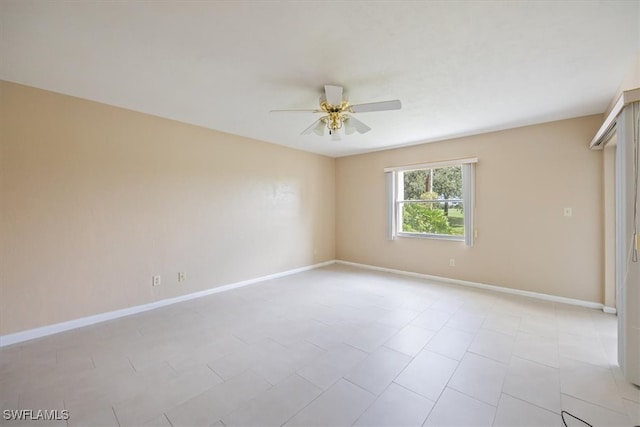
pixel 376 106
pixel 354 125
pixel 316 127
pixel 296 111
pixel 333 94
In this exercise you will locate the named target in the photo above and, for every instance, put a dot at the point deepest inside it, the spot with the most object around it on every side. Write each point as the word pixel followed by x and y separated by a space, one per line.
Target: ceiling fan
pixel 337 113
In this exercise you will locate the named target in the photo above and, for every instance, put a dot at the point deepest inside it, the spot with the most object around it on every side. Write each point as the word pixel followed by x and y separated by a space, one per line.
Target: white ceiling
pixel 459 67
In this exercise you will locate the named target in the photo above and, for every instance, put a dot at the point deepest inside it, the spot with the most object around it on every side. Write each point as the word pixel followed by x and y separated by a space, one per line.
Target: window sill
pixel 431 237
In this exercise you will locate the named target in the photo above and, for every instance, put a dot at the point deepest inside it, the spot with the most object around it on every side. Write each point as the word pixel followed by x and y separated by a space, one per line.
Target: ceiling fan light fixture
pixel 319 127
pixel 337 110
pixel 349 127
pixel 334 121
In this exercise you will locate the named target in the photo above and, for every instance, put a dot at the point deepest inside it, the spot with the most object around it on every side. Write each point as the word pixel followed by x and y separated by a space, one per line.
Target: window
pixel 432 200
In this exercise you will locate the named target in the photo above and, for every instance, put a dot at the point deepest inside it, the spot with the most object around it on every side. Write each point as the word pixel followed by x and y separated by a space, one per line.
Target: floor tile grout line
pixel 537 362
pixel 595 404
pixel 413 391
pixel 631 400
pixel 468 395
pixel 372 402
pixel 359 386
pixel 531 403
pixel 215 373
pixel 311 401
pixel 167 418
pixel 115 414
pixel 489 357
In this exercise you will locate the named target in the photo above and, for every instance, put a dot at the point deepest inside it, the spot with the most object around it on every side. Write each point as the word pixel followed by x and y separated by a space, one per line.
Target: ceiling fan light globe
pixel 349 128
pixel 319 128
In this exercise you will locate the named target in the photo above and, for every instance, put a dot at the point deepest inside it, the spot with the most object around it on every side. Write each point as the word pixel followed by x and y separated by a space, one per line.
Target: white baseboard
pixel 43 331
pixel 545 297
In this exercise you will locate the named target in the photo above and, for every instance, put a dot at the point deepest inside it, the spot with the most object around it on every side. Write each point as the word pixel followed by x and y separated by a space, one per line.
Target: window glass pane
pixel 447 182
pixel 441 217
pixel 417 183
pixel 431 184
pixel 455 216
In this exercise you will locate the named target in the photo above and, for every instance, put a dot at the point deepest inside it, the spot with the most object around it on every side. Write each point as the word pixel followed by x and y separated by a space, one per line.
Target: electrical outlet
pixel 155 281
pixel 568 212
pixel 181 276
pixel 452 262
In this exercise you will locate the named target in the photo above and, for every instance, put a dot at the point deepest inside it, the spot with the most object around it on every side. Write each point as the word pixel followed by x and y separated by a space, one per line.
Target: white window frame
pixel 394 220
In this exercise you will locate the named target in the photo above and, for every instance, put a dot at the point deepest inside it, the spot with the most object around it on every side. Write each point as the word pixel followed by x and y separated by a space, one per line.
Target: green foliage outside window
pixel 433 218
pixel 419 218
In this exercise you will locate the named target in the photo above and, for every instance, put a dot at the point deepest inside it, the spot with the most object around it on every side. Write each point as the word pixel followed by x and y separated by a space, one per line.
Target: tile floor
pixel 336 346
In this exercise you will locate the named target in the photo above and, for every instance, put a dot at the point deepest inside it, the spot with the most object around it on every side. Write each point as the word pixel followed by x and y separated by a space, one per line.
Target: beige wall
pixel 97 199
pixel 524 179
